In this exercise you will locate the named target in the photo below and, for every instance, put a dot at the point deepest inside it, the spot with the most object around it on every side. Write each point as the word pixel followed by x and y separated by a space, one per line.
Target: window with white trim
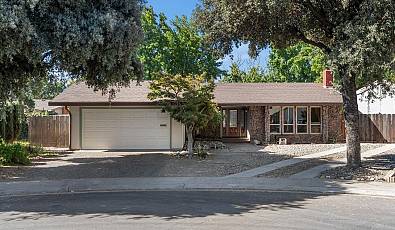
pixel 275 119
pixel 288 119
pixel 301 119
pixel 315 120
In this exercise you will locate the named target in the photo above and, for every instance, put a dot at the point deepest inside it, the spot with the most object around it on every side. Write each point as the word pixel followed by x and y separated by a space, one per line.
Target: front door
pixel 234 123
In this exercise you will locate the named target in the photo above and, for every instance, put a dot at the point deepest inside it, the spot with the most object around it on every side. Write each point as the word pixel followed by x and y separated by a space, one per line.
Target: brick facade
pixel 256 123
pixel 332 128
pixel 259 129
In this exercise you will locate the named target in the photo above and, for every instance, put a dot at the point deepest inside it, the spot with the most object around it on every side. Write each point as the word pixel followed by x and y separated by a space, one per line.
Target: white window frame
pixel 296 118
pixel 270 124
pixel 311 124
pixel 293 120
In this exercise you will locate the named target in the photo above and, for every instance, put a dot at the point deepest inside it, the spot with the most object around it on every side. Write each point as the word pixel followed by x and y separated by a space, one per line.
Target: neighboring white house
pixel 384 104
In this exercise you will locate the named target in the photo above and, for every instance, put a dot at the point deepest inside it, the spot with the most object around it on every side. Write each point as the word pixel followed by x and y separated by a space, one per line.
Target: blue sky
pixel 173 8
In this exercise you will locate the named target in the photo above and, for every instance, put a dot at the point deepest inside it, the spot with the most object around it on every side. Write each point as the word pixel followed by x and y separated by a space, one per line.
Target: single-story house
pixel 299 112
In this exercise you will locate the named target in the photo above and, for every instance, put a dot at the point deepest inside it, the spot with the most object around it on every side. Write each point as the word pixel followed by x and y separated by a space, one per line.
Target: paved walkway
pixel 271 167
pixel 316 171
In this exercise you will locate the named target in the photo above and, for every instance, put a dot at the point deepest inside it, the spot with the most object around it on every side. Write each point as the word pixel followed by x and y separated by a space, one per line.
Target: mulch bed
pixel 373 169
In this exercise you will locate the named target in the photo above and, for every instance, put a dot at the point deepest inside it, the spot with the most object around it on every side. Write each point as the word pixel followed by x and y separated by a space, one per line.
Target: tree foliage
pixel 91 40
pixel 357 35
pixel 11 119
pixel 237 75
pixel 174 48
pixel 188 99
pixel 297 63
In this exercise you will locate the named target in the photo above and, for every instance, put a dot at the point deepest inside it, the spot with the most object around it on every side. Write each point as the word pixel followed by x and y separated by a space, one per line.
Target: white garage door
pixel 125 129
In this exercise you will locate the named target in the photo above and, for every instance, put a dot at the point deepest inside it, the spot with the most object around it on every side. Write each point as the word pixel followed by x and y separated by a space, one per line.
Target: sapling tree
pixel 188 99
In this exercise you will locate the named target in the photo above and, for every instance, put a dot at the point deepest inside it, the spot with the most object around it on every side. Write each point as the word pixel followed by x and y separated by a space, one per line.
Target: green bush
pixel 13 154
pixel 201 152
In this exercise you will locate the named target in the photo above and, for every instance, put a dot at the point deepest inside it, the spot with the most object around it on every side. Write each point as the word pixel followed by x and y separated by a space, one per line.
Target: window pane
pixel 232 118
pixel 288 115
pixel 275 128
pixel 316 115
pixel 288 128
pixel 302 115
pixel 302 128
pixel 275 114
pixel 315 129
pixel 224 118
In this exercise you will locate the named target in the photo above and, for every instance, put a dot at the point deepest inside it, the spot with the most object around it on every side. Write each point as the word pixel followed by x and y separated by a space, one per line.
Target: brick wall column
pixel 325 124
pixel 257 123
pixel 267 125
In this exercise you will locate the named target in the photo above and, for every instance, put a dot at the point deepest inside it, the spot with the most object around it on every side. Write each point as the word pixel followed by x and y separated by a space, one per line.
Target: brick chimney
pixel 327 78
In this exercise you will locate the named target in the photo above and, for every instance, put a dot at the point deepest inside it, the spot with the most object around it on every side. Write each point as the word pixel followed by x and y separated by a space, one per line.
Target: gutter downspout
pixel 70 126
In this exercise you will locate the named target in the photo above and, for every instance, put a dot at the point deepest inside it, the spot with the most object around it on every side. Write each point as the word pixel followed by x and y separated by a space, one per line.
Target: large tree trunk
pixel 351 115
pixel 190 141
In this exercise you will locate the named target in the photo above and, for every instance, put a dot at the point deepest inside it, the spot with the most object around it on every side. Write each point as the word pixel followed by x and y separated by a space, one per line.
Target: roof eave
pixel 57 103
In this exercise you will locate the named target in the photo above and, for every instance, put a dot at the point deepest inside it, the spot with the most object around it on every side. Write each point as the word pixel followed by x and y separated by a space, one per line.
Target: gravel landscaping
pixel 373 169
pixel 300 149
pixel 234 158
pixel 302 166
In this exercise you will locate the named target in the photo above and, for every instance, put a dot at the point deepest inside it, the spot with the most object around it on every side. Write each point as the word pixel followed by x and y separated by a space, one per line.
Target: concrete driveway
pixel 235 158
pixel 112 164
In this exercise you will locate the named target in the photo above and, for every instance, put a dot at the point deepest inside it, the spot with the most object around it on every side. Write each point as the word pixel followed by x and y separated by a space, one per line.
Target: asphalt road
pixel 196 210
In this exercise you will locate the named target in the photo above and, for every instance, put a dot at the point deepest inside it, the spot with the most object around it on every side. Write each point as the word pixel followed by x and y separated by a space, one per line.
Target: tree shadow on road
pixel 165 205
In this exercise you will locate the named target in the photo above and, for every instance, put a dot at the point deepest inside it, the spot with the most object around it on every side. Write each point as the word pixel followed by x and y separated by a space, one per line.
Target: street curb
pixel 315 186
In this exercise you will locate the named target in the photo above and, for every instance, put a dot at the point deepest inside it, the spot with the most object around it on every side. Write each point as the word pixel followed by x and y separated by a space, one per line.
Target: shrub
pixel 13 154
pixel 201 151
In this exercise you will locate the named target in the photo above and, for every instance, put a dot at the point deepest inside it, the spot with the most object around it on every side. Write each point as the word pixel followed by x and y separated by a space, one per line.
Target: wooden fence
pixel 377 128
pixel 50 131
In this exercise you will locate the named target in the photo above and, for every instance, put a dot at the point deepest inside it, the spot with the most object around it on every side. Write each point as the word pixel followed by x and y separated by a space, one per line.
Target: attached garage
pixel 125 128
pixel 130 121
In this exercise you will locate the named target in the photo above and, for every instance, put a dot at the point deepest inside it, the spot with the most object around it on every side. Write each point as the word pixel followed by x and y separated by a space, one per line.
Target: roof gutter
pixel 70 126
pixel 65 103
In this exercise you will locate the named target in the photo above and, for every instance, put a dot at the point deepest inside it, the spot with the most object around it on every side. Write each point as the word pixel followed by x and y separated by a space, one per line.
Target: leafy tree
pixel 236 75
pixel 91 40
pixel 297 63
pixel 48 88
pixel 174 48
pixel 188 99
pixel 358 36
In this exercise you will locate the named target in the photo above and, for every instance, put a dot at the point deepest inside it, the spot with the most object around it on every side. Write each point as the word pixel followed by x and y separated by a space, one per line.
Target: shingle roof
pixel 225 94
pixel 276 93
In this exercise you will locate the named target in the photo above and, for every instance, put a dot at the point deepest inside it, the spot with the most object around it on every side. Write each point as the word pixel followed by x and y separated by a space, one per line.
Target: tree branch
pixel 320 45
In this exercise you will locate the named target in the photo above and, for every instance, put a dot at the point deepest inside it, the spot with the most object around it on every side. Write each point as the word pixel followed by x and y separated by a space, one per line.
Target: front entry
pixel 234 123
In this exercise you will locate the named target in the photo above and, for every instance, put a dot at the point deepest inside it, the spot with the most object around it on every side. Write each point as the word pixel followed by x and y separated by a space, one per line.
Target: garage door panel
pixel 125 129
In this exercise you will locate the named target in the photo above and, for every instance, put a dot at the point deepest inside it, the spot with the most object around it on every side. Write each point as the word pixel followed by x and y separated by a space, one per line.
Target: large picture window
pixel 288 119
pixel 315 120
pixel 301 118
pixel 275 119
